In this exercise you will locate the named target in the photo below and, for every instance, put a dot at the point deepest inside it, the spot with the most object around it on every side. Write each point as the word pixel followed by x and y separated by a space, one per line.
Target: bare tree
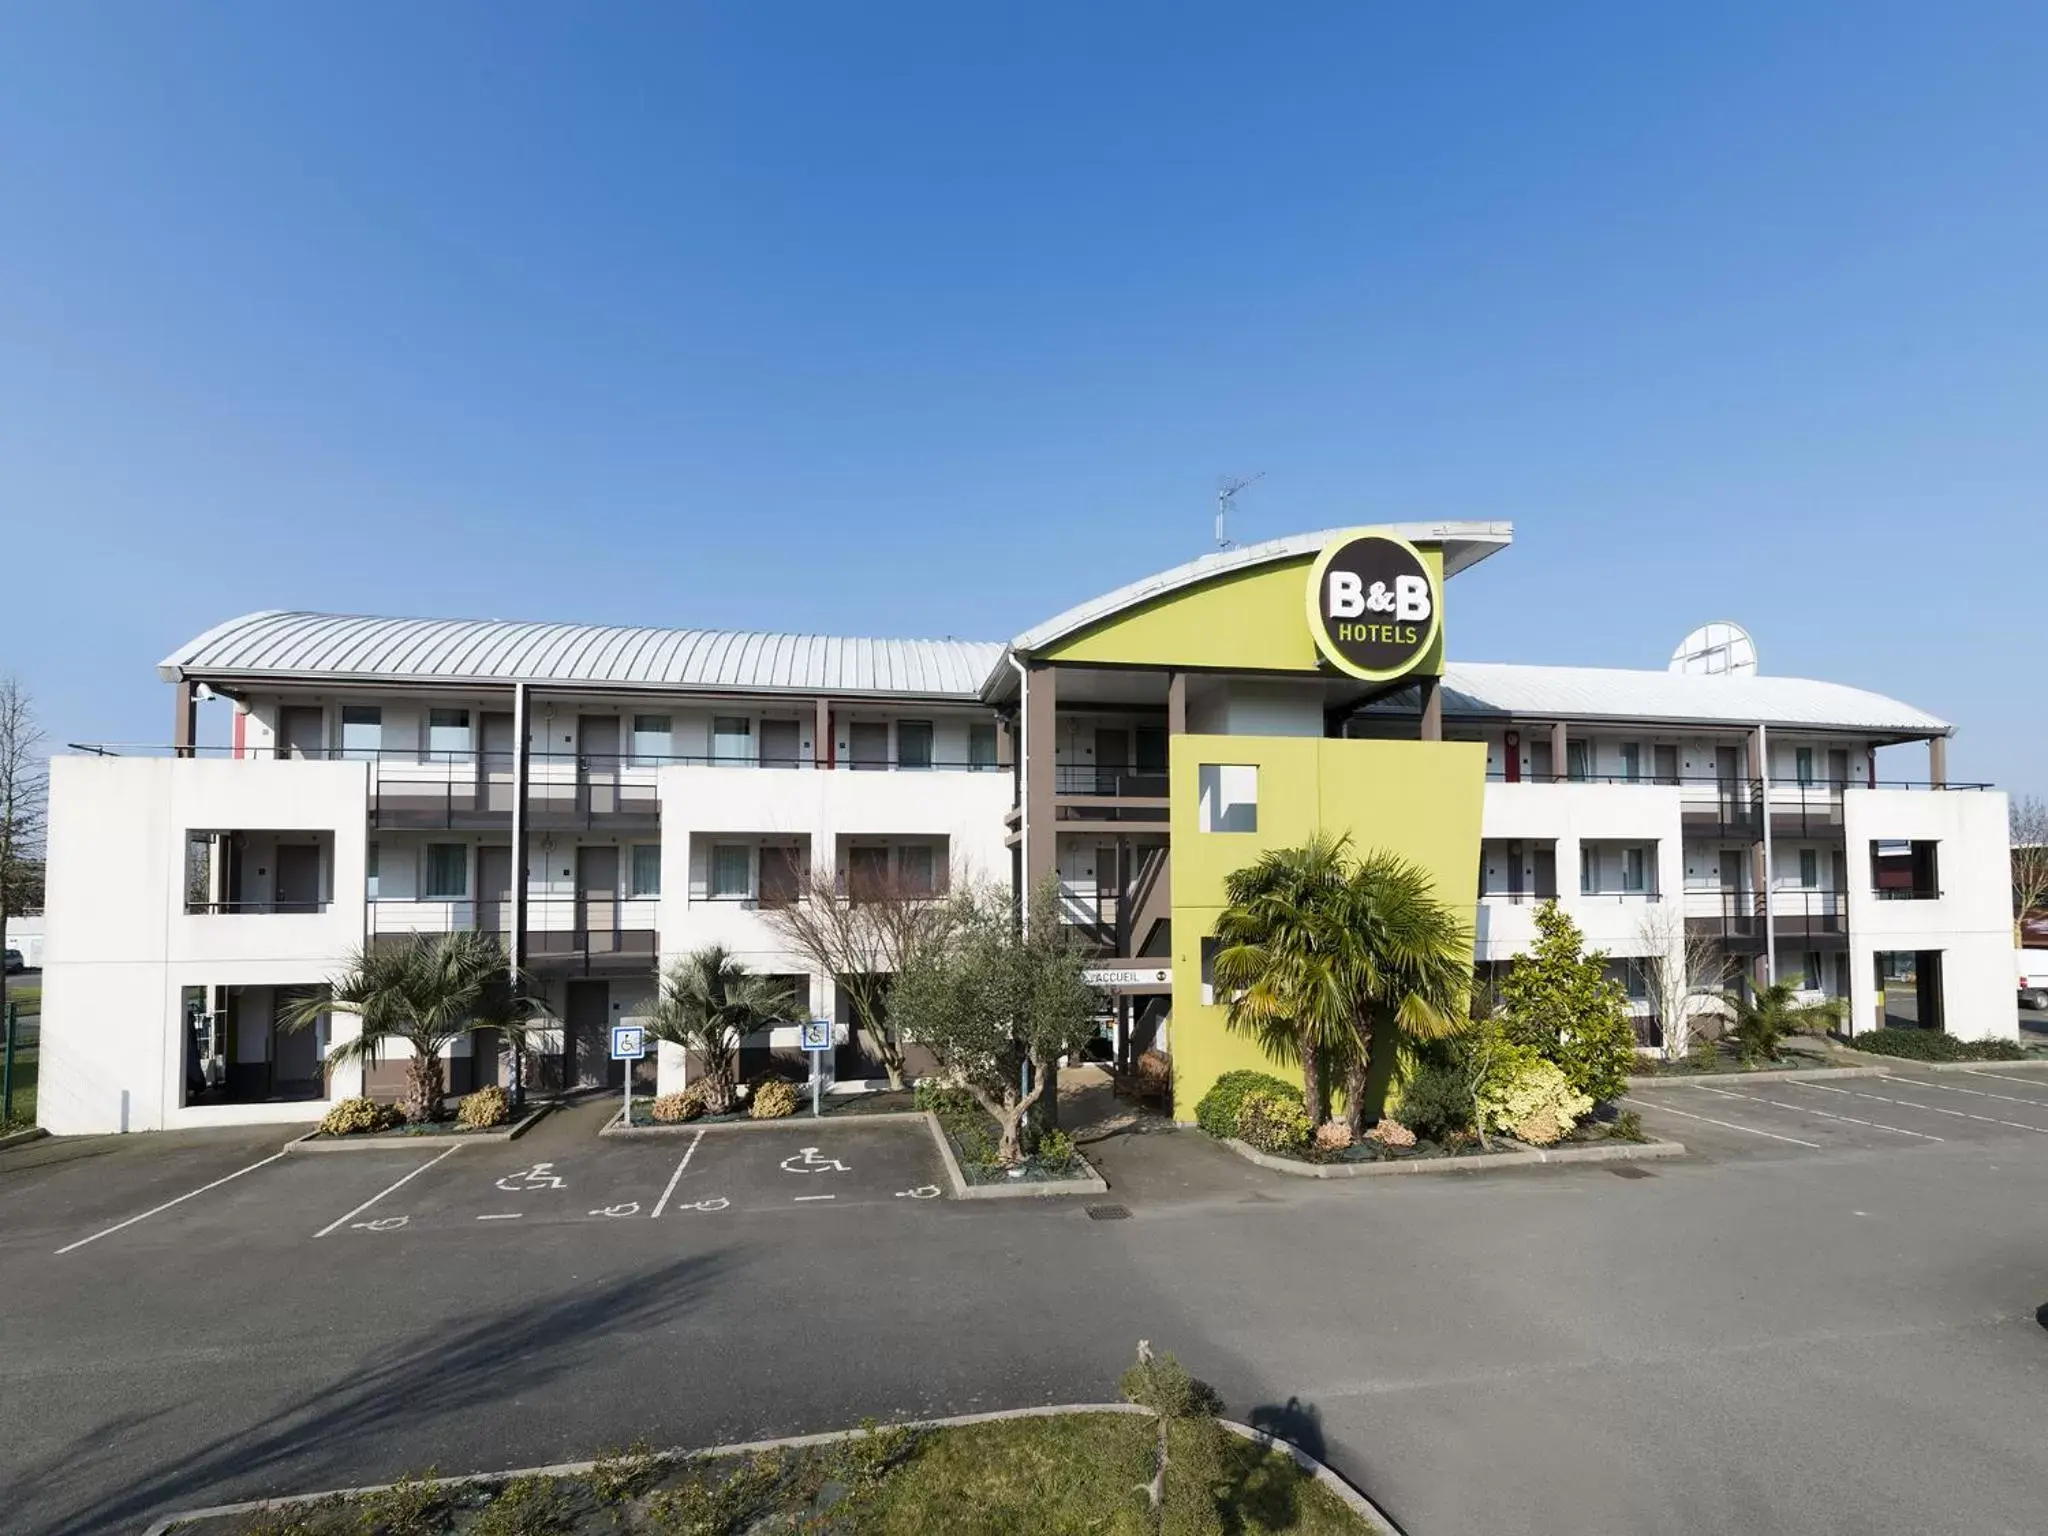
pixel 24 806
pixel 1687 973
pixel 859 938
pixel 2029 861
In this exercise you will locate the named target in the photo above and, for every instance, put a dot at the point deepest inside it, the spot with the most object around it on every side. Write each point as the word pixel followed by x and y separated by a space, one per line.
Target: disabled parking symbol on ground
pixel 808 1161
pixel 539 1176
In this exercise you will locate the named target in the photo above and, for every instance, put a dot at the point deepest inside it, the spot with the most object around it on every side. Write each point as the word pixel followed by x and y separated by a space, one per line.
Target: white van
pixel 2033 968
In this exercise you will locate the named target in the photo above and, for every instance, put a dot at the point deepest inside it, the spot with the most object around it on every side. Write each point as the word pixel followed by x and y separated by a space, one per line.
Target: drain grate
pixel 1109 1213
pixel 1630 1171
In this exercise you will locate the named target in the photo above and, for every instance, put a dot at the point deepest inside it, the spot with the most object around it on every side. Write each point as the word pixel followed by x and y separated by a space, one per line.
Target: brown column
pixel 1559 754
pixel 185 722
pixel 1176 703
pixel 1040 726
pixel 821 736
pixel 1432 709
pixel 1006 741
pixel 1937 761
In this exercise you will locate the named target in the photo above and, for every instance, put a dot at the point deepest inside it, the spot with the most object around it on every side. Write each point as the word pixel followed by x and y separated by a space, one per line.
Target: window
pixel 1802 766
pixel 1589 869
pixel 643 873
pixel 1631 761
pixel 1228 797
pixel 1578 759
pixel 1209 947
pixel 732 739
pixel 1809 868
pixel 913 743
pixel 782 870
pixel 653 738
pixel 1814 974
pixel 981 746
pixel 447 731
pixel 370 870
pixel 867 876
pixel 362 730
pixel 915 871
pixel 447 875
pixel 732 871
pixel 1634 870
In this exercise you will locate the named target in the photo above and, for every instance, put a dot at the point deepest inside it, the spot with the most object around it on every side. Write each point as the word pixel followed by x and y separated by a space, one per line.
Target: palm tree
pixel 1408 960
pixel 708 1003
pixel 426 992
pixel 1277 960
pixel 1775 1011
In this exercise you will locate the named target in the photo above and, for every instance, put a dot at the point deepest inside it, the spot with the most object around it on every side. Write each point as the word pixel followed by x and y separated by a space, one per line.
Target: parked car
pixel 2033 968
pixel 15 962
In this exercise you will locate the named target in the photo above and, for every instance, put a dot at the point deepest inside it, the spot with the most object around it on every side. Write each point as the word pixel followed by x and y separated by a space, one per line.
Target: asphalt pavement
pixel 1835 1331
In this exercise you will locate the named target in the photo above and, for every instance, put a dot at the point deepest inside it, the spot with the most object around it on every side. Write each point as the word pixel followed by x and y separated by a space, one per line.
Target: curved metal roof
pixel 350 647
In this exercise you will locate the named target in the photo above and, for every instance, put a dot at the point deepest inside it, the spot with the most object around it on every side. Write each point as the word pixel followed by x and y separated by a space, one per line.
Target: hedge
pixel 1933 1045
pixel 1217 1113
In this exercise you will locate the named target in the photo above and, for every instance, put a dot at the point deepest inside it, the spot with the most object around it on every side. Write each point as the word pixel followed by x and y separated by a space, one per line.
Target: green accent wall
pixel 1249 621
pixel 1420 799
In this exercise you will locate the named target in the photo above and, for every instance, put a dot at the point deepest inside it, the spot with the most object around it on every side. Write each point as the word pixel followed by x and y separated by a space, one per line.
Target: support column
pixel 522 755
pixel 1560 754
pixel 1937 762
pixel 1040 729
pixel 822 753
pixel 1432 709
pixel 185 720
pixel 1176 703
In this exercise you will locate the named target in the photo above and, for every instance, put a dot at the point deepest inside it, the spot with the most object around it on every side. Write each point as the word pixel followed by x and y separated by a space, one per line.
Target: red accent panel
pixel 241 720
pixel 1511 756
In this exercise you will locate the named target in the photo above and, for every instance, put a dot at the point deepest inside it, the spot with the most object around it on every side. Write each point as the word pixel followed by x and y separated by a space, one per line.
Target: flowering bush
pixel 1273 1124
pixel 488 1106
pixel 1332 1136
pixel 356 1117
pixel 773 1099
pixel 1528 1097
pixel 1392 1133
pixel 675 1108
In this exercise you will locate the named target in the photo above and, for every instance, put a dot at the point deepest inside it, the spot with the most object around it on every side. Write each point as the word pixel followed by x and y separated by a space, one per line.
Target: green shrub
pixel 330 1516
pixel 1933 1045
pixel 358 1117
pixel 620 1474
pixel 704 1503
pixel 485 1108
pixel 1436 1101
pixel 1628 1126
pixel 1217 1112
pixel 1528 1097
pixel 526 1506
pixel 1273 1124
pixel 1056 1149
pixel 412 1506
pixel 1704 1053
pixel 943 1099
pixel 678 1108
pixel 864 1460
pixel 1162 1384
pixel 773 1100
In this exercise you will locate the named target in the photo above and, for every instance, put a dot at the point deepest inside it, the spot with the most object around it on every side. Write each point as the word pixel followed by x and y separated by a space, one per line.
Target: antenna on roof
pixel 1719 649
pixel 1227 487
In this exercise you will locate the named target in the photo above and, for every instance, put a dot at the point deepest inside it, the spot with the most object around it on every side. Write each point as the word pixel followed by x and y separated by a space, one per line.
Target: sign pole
pixel 628 1121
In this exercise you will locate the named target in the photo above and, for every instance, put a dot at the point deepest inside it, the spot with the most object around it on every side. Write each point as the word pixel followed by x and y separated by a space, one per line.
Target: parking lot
pixel 1763 1115
pixel 236 1187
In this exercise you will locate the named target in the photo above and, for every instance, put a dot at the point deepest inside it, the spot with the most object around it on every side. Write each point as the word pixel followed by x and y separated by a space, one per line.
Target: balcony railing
pixel 200 907
pixel 1906 893
pixel 1109 782
pixel 563 933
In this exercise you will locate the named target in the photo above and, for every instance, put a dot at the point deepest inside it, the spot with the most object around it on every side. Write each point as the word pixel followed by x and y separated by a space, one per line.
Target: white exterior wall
pixel 966 809
pixel 121 946
pixel 1569 814
pixel 1971 921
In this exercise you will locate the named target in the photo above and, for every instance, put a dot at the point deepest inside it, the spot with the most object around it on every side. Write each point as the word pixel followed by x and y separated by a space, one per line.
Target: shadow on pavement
pixel 401 1390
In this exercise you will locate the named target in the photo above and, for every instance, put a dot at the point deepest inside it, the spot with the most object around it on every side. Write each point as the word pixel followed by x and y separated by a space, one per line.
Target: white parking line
pixel 503 1216
pixel 1808 1109
pixel 1975 1093
pixel 1726 1125
pixel 2007 1077
pixel 1932 1109
pixel 423 1167
pixel 677 1177
pixel 815 1197
pixel 154 1210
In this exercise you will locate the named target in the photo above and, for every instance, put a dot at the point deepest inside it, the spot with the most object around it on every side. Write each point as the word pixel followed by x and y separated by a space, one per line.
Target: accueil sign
pixel 1374 605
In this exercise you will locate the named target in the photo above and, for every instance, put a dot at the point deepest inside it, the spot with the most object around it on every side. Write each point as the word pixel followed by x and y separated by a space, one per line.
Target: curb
pixel 518 1128
pixel 612 1127
pixel 1092 1184
pixel 1357 1502
pixel 17 1138
pixel 1527 1157
pixel 1879 1066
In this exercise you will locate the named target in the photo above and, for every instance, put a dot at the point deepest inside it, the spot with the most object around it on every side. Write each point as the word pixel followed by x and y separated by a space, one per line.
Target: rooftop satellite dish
pixel 1719 649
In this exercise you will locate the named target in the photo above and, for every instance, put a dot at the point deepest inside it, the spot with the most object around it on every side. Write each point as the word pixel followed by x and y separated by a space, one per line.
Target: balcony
pixel 598 935
pixel 469 791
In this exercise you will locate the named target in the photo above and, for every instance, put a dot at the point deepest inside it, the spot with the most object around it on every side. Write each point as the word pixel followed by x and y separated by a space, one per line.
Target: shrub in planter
pixel 1529 1097
pixel 1217 1112
pixel 774 1099
pixel 1392 1133
pixel 1273 1123
pixel 1334 1136
pixel 1933 1045
pixel 946 1100
pixel 357 1117
pixel 1056 1150
pixel 676 1108
pixel 1436 1101
pixel 488 1106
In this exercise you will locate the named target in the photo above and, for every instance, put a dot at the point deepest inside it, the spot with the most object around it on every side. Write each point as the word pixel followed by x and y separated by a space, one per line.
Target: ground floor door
pixel 586 1034
pixel 494 890
pixel 298 877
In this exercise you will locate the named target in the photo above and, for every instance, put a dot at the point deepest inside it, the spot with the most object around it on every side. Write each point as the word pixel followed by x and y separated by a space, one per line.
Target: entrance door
pixel 586 1024
pixel 1732 860
pixel 597 898
pixel 1112 758
pixel 298 877
pixel 302 731
pixel 494 784
pixel 298 1057
pixel 494 890
pixel 597 761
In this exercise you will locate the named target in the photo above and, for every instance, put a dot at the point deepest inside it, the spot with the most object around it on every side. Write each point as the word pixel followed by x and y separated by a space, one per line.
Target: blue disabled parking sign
pixel 629 1042
pixel 817 1034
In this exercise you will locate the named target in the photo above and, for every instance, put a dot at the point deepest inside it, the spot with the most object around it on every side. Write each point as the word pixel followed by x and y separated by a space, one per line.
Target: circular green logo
pixel 1374 605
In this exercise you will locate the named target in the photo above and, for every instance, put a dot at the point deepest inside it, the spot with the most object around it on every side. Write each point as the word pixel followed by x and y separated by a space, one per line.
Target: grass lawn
pixel 27 996
pixel 1080 1473
pixel 24 1112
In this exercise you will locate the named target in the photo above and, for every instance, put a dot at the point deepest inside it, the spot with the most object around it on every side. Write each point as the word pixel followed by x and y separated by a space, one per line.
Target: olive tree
pixel 990 999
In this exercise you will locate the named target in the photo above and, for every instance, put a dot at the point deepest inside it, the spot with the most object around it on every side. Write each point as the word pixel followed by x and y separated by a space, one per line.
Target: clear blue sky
pixel 935 319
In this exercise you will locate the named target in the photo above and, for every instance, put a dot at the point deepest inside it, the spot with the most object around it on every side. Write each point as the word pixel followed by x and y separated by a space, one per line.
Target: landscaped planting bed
pixel 1009 1477
pixel 975 1138
pixel 1933 1045
pixel 488 1111
pixel 1709 1058
pixel 834 1106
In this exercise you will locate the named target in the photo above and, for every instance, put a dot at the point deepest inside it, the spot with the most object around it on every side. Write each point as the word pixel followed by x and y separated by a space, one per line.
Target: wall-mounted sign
pixel 1374 605
pixel 1111 977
